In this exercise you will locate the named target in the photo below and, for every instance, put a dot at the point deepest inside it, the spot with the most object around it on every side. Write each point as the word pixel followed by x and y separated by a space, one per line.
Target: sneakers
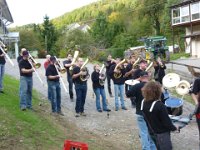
pixel 124 108
pixel 111 95
pixel 80 114
pixel 77 115
pixel 61 113
pixel 83 114
pixel 116 109
pixel 107 109
pixel 99 110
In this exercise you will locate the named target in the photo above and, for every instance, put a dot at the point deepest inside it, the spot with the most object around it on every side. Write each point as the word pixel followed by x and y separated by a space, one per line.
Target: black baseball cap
pixel 144 74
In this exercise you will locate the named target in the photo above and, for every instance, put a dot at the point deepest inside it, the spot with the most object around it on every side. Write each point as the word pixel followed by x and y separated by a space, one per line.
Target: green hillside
pixel 115 26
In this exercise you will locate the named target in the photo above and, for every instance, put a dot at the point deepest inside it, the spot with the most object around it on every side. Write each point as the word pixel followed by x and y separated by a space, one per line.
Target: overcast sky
pixel 33 11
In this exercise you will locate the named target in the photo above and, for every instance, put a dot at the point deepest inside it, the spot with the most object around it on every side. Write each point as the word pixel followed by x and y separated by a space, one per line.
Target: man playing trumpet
pixel 80 88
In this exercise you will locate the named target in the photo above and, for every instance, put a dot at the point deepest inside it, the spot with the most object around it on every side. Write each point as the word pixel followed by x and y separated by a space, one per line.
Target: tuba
pixel 118 67
pixel 61 69
pixel 73 61
pixel 136 62
pixel 102 75
pixel 84 69
pixel 150 65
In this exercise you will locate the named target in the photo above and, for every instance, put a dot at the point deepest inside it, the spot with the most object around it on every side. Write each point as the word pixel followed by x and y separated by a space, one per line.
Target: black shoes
pixel 99 110
pixel 107 109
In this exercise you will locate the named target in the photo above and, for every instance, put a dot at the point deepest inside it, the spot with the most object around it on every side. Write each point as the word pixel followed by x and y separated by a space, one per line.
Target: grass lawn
pixel 38 130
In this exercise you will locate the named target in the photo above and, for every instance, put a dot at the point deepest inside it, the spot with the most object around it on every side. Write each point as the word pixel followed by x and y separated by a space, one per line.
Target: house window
pixel 176 15
pixel 185 17
pixel 195 11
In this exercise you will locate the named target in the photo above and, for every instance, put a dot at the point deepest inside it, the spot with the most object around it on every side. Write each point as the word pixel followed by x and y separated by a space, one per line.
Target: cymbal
pixel 171 80
pixel 183 87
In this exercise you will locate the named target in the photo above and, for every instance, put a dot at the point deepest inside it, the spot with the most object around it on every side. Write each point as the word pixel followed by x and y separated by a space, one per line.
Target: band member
pixel 67 64
pixel 159 67
pixel 26 82
pixel 118 84
pixel 196 97
pixel 156 116
pixel 99 89
pixel 20 57
pixel 142 67
pixel 136 91
pixel 54 86
pixel 80 88
pixel 47 61
pixel 109 63
pixel 2 69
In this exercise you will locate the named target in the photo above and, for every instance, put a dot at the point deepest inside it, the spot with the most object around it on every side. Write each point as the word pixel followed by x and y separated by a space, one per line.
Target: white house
pixel 187 14
pixel 73 26
pixel 84 28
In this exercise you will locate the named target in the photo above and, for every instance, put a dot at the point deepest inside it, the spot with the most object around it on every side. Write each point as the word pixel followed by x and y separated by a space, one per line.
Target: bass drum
pixel 174 106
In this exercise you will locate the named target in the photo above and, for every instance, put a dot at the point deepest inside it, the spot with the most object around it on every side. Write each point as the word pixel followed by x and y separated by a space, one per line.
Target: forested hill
pixel 115 24
pixel 89 13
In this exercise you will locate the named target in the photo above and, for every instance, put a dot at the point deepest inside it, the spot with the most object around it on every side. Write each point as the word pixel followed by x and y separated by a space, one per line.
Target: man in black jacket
pixel 136 91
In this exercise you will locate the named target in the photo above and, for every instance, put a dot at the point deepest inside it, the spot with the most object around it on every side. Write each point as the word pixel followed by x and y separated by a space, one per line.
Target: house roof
pixel 5 11
pixel 83 26
pixel 184 2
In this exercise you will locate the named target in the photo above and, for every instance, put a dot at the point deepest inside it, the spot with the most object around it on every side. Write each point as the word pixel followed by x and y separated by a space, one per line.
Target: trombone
pixel 2 47
pixel 60 67
pixel 73 61
pixel 59 70
pixel 35 66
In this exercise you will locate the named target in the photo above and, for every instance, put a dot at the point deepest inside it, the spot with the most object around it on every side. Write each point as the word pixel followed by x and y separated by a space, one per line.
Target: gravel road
pixel 120 127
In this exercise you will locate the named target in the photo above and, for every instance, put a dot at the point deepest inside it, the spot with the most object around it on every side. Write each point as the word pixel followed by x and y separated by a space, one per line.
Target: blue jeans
pixel 119 89
pixel 26 86
pixel 48 91
pixel 2 71
pixel 81 91
pixel 55 96
pixel 69 79
pixel 146 140
pixel 98 92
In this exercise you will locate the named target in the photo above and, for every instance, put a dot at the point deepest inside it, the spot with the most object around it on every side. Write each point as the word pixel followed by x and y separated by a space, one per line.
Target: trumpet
pixel 33 62
pixel 84 69
pixel 73 61
pixel 102 76
pixel 3 49
pixel 118 67
pixel 60 67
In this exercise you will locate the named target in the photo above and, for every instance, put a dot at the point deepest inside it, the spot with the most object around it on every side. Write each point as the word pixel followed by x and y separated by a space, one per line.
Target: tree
pixel 49 36
pixel 153 9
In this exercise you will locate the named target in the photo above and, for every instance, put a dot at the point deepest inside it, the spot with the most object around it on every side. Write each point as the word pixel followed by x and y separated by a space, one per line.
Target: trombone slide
pixel 61 80
pixel 7 57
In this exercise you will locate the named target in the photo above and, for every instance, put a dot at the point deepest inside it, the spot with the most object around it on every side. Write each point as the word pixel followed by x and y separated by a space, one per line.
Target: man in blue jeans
pixel 54 86
pixel 26 82
pixel 80 88
pixel 118 83
pixel 136 91
pixel 2 69
pixel 99 89
pixel 67 64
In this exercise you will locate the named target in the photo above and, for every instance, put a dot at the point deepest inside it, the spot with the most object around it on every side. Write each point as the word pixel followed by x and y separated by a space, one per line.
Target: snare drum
pixel 132 82
pixel 174 106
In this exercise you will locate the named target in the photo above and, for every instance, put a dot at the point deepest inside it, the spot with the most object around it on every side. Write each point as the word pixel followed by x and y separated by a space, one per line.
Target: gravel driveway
pixel 120 127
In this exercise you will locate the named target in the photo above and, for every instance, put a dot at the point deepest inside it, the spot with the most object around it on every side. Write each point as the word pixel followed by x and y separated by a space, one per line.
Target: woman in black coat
pixel 159 68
